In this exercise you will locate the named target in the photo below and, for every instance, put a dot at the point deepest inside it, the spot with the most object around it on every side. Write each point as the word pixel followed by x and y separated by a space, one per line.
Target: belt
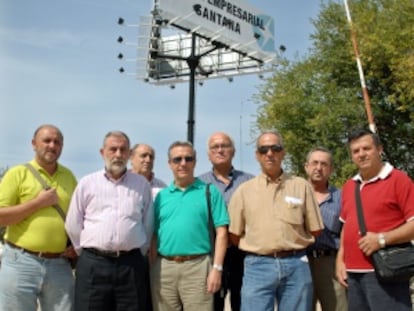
pixel 280 254
pixel 180 259
pixel 316 253
pixel 109 254
pixel 37 254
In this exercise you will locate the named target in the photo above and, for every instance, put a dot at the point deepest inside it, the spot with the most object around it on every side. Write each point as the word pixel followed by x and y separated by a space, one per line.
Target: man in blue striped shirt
pixel 327 290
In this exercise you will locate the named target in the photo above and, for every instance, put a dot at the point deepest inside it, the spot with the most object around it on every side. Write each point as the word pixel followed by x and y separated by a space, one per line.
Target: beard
pixel 47 156
pixel 115 167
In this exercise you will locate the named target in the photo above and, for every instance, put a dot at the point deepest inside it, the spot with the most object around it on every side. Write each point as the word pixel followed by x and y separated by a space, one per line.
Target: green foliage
pixel 317 100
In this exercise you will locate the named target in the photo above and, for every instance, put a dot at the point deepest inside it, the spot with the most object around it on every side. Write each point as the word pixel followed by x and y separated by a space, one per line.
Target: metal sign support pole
pixel 192 62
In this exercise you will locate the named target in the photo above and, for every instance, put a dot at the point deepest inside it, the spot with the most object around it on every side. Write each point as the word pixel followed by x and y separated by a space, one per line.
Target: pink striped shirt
pixel 111 215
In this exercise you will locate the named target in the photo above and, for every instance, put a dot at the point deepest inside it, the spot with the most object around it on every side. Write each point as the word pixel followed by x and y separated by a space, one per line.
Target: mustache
pixel 118 161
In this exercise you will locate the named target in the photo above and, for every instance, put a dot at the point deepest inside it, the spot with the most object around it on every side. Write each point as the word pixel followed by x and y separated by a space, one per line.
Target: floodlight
pixel 120 39
pixel 121 21
pixel 120 56
pixel 121 70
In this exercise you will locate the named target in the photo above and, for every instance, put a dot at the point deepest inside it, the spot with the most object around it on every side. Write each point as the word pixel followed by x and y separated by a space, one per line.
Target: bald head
pixel 220 149
pixel 142 160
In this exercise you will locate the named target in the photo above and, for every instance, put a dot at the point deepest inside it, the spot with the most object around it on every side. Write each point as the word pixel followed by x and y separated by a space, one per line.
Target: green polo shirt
pixel 181 219
pixel 44 230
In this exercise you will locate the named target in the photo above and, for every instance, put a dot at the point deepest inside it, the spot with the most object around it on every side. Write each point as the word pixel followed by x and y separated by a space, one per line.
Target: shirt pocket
pixel 292 210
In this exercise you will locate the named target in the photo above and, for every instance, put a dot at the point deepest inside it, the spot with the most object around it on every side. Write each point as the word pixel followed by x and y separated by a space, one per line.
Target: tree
pixel 317 100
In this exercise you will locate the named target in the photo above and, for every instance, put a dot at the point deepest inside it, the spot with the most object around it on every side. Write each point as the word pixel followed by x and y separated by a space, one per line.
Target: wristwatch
pixel 218 267
pixel 381 240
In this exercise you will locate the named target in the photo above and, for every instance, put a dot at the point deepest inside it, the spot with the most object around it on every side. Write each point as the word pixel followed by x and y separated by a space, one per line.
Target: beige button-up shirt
pixel 272 216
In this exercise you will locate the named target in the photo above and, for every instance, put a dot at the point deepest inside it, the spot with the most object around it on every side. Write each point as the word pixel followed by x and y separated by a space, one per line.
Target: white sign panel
pixel 233 23
pixel 219 63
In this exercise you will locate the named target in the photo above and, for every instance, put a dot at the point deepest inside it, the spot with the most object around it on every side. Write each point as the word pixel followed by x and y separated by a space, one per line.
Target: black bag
pixel 394 263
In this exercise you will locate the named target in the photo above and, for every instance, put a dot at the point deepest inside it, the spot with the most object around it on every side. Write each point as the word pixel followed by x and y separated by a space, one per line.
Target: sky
pixel 59 65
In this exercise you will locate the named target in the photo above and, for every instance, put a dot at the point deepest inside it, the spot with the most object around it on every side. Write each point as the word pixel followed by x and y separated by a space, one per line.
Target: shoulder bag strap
pixel 360 213
pixel 46 187
pixel 210 219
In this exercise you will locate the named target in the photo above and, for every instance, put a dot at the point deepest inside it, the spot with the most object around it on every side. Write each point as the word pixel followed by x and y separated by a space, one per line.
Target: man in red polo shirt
pixel 387 196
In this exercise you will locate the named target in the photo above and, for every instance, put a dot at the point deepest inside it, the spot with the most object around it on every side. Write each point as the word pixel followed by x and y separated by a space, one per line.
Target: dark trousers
pixel 107 284
pixel 365 292
pixel 231 279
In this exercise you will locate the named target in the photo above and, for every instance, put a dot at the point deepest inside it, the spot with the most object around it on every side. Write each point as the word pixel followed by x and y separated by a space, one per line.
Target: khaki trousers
pixel 181 286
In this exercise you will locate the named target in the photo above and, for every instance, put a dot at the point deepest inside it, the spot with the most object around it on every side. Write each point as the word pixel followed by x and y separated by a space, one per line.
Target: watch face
pixel 381 240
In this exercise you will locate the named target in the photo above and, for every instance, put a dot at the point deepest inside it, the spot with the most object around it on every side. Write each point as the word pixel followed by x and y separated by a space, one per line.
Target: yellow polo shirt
pixel 272 217
pixel 44 230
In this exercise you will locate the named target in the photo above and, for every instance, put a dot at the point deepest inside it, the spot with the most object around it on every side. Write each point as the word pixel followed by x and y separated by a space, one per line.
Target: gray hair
pixel 274 132
pixel 179 143
pixel 322 149
pixel 116 134
pixel 135 147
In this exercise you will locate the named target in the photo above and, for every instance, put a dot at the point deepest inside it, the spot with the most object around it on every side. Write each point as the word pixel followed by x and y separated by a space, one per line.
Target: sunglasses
pixel 265 149
pixel 178 160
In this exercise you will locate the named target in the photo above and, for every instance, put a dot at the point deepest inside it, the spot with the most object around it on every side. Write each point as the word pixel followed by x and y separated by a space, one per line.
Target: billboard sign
pixel 233 23
pixel 219 63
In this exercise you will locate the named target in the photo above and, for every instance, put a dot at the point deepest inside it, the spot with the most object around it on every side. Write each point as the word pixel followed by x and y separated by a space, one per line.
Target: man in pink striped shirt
pixel 110 223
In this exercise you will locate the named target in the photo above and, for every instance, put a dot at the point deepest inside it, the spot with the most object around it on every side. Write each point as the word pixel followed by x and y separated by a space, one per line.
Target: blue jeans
pixel 26 279
pixel 288 280
pixel 365 292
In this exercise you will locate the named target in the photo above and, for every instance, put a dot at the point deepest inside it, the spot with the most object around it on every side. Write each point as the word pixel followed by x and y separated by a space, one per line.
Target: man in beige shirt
pixel 274 217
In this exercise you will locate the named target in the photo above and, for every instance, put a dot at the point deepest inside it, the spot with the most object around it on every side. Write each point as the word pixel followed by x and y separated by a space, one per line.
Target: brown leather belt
pixel 282 253
pixel 180 259
pixel 37 254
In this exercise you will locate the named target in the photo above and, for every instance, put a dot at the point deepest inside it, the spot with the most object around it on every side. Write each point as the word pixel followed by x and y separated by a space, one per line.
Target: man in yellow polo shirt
pixel 34 269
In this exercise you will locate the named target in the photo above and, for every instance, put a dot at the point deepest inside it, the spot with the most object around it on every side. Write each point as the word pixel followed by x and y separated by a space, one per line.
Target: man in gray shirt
pixel 223 175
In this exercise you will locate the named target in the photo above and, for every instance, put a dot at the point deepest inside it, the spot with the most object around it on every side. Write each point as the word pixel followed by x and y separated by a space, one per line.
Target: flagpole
pixel 365 94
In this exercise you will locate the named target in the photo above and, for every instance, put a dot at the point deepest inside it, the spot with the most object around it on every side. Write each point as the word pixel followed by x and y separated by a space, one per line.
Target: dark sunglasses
pixel 265 149
pixel 177 160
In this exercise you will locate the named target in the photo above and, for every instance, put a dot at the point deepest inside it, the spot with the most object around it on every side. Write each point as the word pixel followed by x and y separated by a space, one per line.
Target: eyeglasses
pixel 265 149
pixel 215 148
pixel 178 160
pixel 316 163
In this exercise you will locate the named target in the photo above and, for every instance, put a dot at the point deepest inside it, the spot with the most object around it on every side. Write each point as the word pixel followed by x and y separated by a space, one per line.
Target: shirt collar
pixel 384 173
pixel 231 173
pixel 121 179
pixel 196 184
pixel 266 180
pixel 39 168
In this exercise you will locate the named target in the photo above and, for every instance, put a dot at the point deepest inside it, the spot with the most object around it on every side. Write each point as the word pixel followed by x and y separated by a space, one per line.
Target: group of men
pixel 143 245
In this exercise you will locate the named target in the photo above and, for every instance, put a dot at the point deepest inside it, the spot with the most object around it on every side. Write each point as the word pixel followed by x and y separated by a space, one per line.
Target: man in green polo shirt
pixel 184 272
pixel 34 268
